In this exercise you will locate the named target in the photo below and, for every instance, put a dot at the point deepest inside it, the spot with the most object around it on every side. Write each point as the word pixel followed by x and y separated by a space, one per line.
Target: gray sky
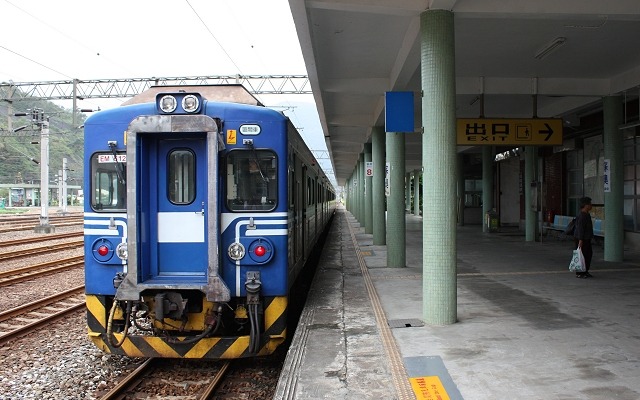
pixel 44 40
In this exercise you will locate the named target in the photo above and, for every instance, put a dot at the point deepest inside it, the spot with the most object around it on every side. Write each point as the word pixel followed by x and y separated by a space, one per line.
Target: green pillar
pixel 361 189
pixel 396 223
pixel 460 180
pixel 379 199
pixel 487 184
pixel 368 195
pixel 352 196
pixel 357 185
pixel 613 199
pixel 439 161
pixel 416 192
pixel 407 192
pixel 347 194
pixel 529 214
pixel 354 192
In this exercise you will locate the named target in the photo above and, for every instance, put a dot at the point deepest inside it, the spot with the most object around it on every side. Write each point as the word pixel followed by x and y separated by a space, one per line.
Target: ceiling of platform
pixel 356 50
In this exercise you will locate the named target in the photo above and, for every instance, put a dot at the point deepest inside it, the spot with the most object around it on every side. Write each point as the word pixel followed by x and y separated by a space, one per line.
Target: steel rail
pixel 215 382
pixel 128 382
pixel 26 329
pixel 34 305
pixel 25 273
pixel 27 227
pixel 19 242
pixel 39 250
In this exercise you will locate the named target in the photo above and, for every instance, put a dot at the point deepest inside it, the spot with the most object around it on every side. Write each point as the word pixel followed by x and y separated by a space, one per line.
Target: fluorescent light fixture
pixel 554 44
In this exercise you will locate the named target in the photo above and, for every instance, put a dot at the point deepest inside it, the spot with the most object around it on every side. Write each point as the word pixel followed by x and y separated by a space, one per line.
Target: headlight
pixel 236 251
pixel 190 103
pixel 122 252
pixel 168 104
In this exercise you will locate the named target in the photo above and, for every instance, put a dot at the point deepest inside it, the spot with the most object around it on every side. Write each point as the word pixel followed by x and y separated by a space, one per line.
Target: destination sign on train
pixel 503 131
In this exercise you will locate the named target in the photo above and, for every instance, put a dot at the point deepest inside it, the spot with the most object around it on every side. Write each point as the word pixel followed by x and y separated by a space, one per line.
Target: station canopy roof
pixel 356 50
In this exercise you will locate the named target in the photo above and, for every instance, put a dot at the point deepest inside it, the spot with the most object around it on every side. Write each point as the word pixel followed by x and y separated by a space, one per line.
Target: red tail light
pixel 260 251
pixel 103 250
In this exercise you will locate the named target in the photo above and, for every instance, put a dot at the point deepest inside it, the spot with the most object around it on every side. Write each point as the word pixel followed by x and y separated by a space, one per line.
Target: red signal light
pixel 103 250
pixel 260 251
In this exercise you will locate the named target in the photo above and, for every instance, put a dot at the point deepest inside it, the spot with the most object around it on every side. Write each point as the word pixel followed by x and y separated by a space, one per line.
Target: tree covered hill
pixel 17 149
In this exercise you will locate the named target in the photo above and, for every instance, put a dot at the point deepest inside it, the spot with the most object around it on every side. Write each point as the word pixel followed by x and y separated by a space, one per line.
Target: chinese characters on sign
pixel 497 132
pixel 368 169
pixel 607 175
pixel 428 388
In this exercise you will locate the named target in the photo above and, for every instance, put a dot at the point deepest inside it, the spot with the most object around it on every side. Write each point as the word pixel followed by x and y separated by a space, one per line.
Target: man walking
pixel 583 234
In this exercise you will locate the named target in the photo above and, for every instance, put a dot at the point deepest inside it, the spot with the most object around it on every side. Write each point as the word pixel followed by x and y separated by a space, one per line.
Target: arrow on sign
pixel 549 132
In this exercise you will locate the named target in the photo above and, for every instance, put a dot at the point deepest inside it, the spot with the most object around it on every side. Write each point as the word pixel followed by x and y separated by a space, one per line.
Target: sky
pixel 44 40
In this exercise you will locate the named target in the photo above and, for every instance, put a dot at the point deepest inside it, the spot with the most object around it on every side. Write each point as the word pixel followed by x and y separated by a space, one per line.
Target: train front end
pixel 181 260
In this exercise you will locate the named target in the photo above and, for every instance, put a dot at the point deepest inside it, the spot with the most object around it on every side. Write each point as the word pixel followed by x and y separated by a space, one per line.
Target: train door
pixel 179 247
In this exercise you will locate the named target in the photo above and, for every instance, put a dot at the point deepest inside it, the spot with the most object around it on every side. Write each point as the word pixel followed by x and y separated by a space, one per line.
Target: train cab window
pixel 252 180
pixel 108 182
pixel 182 176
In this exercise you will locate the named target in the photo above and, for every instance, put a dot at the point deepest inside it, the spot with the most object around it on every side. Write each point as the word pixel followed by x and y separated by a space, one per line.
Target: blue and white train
pixel 199 216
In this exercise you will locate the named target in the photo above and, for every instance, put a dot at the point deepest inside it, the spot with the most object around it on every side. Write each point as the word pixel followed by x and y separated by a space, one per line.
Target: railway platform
pixel 527 328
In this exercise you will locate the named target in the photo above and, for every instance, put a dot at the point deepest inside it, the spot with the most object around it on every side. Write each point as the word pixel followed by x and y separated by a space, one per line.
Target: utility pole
pixel 38 119
pixel 64 186
pixel 43 122
pixel 58 180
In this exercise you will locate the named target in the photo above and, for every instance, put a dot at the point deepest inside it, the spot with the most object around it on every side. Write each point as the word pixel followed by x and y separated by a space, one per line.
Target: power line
pixel 213 36
pixel 34 61
pixel 73 39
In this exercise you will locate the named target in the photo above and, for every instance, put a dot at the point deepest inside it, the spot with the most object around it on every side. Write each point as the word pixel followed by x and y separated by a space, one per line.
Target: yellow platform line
pixel 398 372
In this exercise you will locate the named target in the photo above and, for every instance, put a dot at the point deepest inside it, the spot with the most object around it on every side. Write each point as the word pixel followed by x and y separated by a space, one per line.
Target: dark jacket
pixel 584 227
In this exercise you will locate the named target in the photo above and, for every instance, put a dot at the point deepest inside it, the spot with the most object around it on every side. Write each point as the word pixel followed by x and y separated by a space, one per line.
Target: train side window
pixel 182 176
pixel 252 180
pixel 108 186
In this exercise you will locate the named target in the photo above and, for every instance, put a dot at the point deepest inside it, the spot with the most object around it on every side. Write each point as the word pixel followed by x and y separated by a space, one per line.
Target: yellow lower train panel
pixel 224 347
pixel 215 348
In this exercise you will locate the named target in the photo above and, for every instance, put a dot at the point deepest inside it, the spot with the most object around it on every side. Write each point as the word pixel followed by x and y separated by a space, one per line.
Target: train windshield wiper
pixel 119 166
pixel 257 160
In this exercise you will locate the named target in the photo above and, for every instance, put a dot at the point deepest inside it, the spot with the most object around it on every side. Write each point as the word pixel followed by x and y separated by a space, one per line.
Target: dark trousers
pixel 587 252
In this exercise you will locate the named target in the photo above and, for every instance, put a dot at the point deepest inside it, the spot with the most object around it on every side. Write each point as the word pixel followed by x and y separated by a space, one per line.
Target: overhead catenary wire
pixel 214 37
pixel 71 38
pixel 34 61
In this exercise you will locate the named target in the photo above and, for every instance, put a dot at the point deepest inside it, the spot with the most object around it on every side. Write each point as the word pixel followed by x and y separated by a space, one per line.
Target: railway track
pixel 33 271
pixel 152 379
pixel 19 242
pixel 28 225
pixel 40 250
pixel 35 218
pixel 23 320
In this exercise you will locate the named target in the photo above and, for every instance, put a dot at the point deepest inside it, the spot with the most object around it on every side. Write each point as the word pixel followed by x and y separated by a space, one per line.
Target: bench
pixel 598 227
pixel 560 223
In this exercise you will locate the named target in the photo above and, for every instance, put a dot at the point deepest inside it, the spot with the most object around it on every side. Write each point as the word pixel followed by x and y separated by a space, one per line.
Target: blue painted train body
pixel 199 216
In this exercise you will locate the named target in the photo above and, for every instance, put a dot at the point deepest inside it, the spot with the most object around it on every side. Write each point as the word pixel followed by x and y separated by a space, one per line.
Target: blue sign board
pixel 398 116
